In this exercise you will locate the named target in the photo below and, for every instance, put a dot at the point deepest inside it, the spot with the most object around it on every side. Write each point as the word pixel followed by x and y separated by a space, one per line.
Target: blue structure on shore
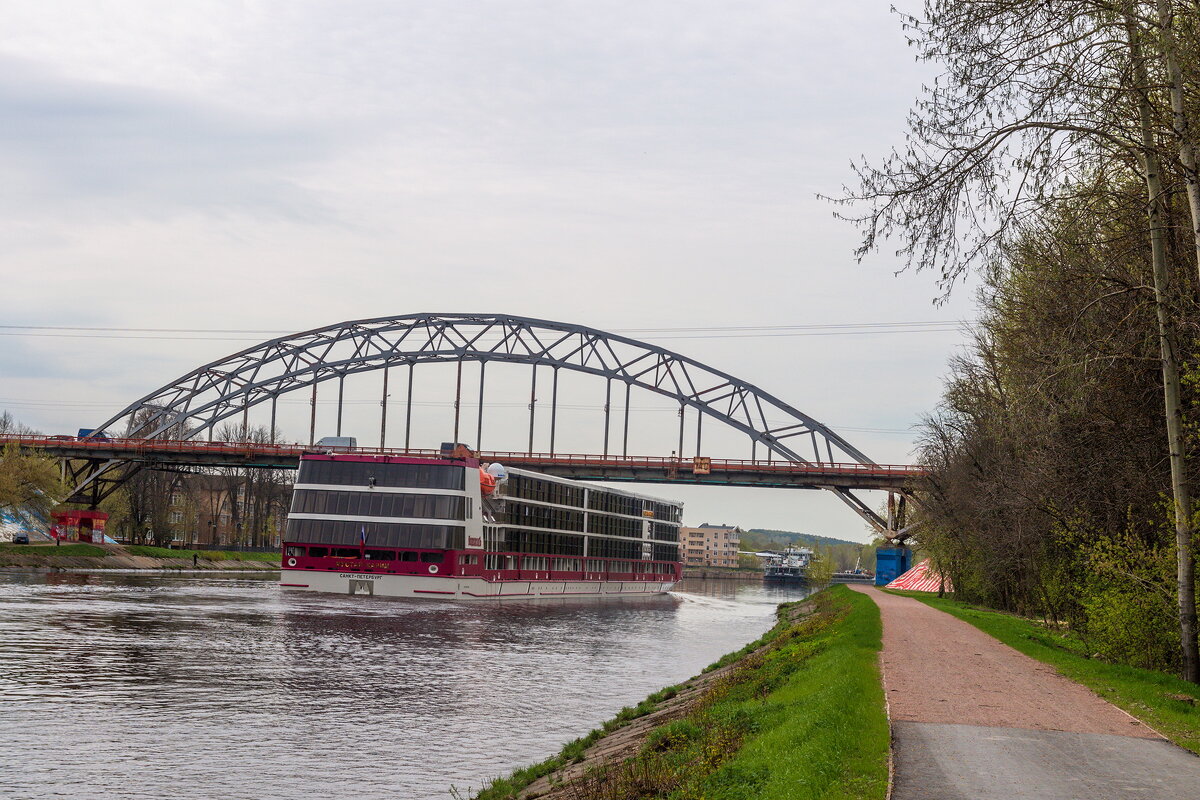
pixel 891 563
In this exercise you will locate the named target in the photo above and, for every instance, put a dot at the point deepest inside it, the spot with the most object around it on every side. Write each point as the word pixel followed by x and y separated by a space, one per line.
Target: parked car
pixel 20 538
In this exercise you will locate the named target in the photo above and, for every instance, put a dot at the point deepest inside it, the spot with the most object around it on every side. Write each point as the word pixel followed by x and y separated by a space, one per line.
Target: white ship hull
pixel 460 587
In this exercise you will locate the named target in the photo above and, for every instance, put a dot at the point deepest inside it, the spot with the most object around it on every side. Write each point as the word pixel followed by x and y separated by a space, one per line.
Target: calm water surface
pixel 151 686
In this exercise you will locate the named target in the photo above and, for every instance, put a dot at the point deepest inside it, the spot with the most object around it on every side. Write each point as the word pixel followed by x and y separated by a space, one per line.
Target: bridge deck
pixel 643 469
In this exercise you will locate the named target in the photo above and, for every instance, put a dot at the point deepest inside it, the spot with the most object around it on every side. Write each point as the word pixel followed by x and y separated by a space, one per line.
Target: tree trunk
pixel 1180 123
pixel 1156 216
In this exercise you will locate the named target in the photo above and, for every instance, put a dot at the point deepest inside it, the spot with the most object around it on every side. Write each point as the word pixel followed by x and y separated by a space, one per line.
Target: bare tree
pixel 1036 95
pixel 257 498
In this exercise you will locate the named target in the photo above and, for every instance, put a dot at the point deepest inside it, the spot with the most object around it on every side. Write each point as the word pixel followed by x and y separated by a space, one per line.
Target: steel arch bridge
pixel 195 403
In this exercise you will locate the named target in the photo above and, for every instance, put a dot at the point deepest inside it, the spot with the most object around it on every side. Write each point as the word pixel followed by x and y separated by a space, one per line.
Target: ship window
pixel 359 473
pixel 379 504
pixel 408 556
pixel 318 552
pixel 381 555
pixel 468 560
pixel 292 550
pixel 346 552
pixel 433 558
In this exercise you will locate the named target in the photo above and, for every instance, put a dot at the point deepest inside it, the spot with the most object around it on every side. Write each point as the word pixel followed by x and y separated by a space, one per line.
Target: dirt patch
pixel 937 668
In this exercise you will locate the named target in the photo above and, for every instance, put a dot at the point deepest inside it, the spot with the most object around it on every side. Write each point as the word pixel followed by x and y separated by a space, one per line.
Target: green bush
pixel 1132 627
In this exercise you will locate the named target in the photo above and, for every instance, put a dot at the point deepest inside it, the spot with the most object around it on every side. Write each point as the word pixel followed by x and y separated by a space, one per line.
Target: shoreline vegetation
pixel 1165 702
pixel 78 556
pixel 797 714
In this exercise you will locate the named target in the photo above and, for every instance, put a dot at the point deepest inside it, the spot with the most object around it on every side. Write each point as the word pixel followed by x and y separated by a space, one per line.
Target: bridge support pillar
pixel 891 563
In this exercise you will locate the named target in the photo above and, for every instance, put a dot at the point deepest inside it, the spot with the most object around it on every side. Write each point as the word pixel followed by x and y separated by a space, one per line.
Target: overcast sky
pixel 278 166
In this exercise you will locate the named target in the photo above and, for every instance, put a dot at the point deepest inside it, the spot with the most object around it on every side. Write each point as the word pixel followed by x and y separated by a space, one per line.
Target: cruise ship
pixel 452 528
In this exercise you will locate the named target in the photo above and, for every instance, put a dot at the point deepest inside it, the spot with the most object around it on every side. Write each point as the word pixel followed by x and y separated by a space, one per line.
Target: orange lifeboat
pixel 487 482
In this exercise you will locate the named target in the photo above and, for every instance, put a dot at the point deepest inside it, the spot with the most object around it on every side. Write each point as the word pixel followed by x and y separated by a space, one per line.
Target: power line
pixel 708 332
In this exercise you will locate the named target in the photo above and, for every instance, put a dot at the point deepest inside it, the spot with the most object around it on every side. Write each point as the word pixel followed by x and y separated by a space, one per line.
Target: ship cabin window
pixel 468 560
pixel 433 558
pixel 537 563
pixel 346 552
pixel 529 488
pixel 318 552
pixel 664 532
pixel 293 550
pixel 378 504
pixel 614 526
pixel 408 555
pixel 349 533
pixel 381 555
pixel 364 473
pixel 599 500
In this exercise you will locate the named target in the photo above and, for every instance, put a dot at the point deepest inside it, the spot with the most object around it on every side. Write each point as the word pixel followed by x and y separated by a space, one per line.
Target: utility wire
pixel 708 332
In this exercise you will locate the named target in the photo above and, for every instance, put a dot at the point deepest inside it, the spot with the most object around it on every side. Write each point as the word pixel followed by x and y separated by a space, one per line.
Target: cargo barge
pixel 790 566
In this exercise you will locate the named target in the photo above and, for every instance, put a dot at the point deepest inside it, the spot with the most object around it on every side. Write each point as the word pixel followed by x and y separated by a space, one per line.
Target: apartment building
pixel 710 545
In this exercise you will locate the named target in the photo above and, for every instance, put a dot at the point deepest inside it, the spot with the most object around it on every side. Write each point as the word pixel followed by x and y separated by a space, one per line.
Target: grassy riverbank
pixel 90 556
pixel 211 555
pixel 798 714
pixel 1164 702
pixel 62 550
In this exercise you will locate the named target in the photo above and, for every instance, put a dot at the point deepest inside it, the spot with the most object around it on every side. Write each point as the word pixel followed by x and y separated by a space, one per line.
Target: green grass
pixel 572 752
pixel 50 550
pixel 1153 697
pixel 821 730
pixel 799 715
pixel 211 555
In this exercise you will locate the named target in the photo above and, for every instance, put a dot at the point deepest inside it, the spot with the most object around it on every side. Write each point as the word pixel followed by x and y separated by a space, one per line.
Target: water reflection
pixel 155 686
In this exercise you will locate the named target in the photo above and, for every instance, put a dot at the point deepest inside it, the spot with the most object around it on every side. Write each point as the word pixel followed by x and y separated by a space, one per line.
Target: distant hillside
pixel 764 539
pixel 843 553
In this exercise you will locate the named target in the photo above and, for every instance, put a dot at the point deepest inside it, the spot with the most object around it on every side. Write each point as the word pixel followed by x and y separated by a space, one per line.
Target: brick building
pixel 710 545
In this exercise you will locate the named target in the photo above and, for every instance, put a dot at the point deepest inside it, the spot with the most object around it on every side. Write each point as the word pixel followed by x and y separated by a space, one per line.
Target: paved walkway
pixel 973 718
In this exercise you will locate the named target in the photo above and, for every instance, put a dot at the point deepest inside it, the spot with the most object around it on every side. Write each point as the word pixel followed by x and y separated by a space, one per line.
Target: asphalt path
pixel 973 718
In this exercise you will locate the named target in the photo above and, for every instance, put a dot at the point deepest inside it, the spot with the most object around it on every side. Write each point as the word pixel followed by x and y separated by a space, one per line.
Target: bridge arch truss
pixel 225 389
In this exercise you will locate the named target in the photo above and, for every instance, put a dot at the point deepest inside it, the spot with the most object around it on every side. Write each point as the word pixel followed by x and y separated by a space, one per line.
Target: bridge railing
pixel 113 446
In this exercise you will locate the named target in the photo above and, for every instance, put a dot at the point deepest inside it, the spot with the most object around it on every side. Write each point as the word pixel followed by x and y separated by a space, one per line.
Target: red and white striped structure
pixel 921 578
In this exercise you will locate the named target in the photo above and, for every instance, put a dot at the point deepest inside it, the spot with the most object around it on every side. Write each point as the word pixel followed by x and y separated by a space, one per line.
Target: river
pixel 157 686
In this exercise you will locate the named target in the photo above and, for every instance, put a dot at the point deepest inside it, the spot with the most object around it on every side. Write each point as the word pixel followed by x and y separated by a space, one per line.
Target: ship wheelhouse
pixel 418 527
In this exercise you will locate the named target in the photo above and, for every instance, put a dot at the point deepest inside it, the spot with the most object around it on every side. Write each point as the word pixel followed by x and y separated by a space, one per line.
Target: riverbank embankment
pixel 49 557
pixel 801 707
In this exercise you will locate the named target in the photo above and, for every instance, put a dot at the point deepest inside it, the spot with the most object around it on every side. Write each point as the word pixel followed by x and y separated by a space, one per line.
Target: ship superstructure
pixel 790 565
pixel 451 528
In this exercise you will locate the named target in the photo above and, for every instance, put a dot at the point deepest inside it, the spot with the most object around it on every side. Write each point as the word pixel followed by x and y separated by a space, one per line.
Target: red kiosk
pixel 73 525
